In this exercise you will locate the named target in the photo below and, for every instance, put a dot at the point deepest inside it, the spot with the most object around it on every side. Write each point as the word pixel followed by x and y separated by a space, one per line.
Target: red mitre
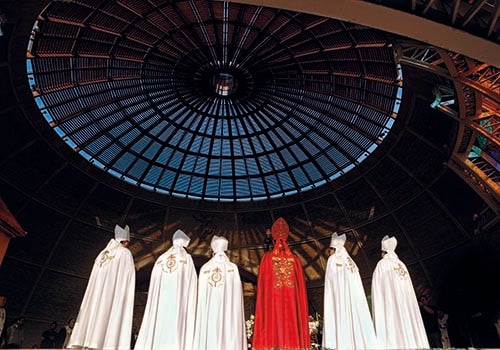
pixel 280 229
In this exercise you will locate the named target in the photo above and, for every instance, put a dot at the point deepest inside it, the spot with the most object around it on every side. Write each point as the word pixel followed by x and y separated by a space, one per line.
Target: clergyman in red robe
pixel 281 311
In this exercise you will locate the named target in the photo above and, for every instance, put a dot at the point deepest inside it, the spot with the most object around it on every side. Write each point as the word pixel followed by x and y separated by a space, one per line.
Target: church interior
pixel 366 118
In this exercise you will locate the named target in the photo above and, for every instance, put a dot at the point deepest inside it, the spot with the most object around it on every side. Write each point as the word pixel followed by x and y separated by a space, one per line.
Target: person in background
pixel 3 318
pixel 65 333
pixel 49 336
pixel 15 334
pixel 106 313
pixel 268 242
pixel 134 336
pixel 396 316
pixel 430 319
pixel 443 327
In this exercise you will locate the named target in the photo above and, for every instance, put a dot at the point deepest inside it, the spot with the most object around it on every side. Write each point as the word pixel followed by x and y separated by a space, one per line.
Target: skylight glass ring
pixel 299 117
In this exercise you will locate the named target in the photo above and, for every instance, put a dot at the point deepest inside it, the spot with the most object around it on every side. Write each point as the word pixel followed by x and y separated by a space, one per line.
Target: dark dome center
pixel 224 84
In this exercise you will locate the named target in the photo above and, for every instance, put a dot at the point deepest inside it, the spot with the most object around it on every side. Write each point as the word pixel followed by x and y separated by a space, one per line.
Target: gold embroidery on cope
pixel 215 277
pixel 351 265
pixel 283 271
pixel 170 264
pixel 401 271
pixel 105 257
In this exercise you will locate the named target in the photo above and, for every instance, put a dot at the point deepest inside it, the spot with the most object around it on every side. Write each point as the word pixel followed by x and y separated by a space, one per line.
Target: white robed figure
pixel 347 322
pixel 220 316
pixel 106 313
pixel 396 315
pixel 169 317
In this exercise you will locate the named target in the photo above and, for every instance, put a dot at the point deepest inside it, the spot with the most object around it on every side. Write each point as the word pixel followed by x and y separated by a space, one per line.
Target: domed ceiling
pixel 211 100
pixel 218 118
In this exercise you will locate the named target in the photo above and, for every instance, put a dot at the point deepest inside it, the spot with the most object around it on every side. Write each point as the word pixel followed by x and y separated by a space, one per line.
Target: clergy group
pixel 205 311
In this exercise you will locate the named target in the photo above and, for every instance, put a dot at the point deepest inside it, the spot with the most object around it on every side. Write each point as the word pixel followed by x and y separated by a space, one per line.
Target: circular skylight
pixel 224 84
pixel 213 100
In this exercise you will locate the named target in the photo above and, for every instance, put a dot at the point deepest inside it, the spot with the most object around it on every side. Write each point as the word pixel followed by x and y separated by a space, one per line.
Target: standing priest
pixel 106 313
pixel 169 317
pixel 396 315
pixel 347 320
pixel 220 316
pixel 281 311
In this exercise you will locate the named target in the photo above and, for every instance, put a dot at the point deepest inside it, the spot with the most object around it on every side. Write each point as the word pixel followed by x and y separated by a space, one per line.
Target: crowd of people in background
pixel 12 337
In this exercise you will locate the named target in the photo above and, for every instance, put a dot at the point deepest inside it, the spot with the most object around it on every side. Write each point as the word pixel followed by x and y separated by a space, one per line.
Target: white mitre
pixel 122 234
pixel 180 239
pixel 389 244
pixel 337 241
pixel 218 244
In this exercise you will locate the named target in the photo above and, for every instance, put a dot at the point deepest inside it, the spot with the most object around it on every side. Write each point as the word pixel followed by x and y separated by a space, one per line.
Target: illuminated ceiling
pixel 213 100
